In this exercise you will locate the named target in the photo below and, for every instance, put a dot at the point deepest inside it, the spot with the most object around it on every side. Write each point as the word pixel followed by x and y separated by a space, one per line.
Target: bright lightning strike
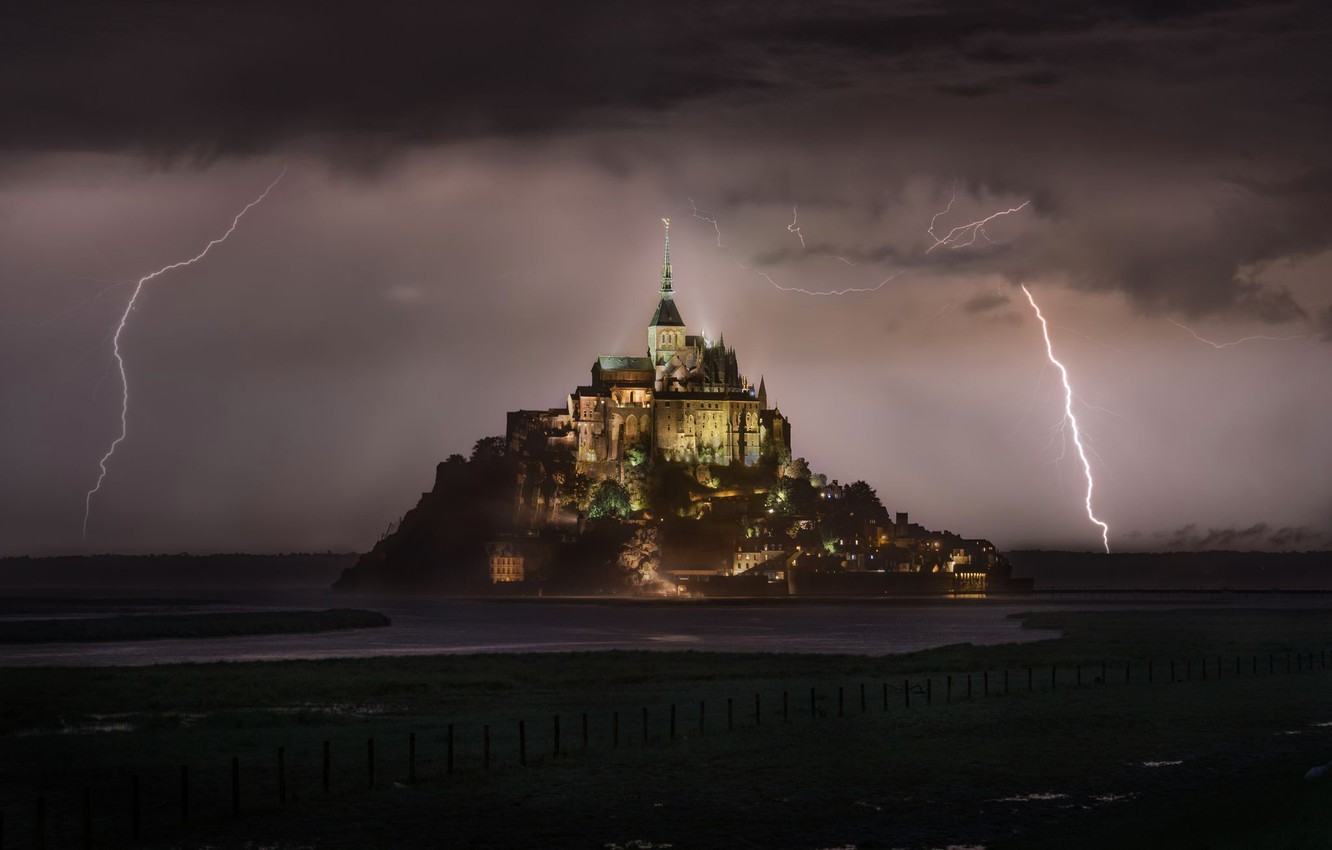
pixel 1070 418
pixel 795 228
pixel 965 234
pixel 1220 345
pixel 120 328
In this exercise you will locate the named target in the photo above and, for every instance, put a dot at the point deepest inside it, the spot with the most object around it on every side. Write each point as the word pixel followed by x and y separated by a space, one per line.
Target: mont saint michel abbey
pixel 684 401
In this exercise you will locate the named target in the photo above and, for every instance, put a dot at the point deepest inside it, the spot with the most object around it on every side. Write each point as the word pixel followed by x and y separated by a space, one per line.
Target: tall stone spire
pixel 666 264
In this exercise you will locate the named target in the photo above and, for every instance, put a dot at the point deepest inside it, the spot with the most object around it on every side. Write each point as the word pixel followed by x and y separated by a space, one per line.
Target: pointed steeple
pixel 762 394
pixel 666 264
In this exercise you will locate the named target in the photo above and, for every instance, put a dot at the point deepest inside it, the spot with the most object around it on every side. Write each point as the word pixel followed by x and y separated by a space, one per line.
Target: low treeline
pixel 162 626
pixel 174 571
pixel 1250 571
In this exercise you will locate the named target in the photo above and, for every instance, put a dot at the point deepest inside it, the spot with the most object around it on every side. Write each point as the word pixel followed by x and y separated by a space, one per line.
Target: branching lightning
pixel 705 215
pixel 1220 345
pixel 846 291
pixel 1070 418
pixel 965 234
pixel 120 328
pixel 793 227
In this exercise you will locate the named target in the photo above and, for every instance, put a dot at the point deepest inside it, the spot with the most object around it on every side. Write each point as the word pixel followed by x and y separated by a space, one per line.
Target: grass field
pixel 1214 762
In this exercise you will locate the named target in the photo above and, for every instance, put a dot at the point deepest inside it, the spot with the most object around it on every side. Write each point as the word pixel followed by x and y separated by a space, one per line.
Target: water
pixel 423 626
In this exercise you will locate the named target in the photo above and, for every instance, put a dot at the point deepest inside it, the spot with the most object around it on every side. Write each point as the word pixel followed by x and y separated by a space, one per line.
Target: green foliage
pixel 575 490
pixel 795 468
pixel 609 499
pixel 488 448
pixel 636 454
pixel 793 497
pixel 669 488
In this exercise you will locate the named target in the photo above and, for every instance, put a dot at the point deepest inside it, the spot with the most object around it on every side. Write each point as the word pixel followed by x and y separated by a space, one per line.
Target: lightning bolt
pixel 706 215
pixel 847 291
pixel 1220 345
pixel 965 234
pixel 794 228
pixel 1070 418
pixel 120 328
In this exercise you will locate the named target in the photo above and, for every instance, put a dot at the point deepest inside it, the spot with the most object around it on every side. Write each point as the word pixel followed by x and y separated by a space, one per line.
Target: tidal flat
pixel 1196 732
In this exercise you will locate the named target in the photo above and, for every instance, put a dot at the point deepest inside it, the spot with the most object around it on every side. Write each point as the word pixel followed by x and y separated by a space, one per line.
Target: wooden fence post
pixel 87 818
pixel 449 764
pixel 235 787
pixel 184 794
pixel 134 807
pixel 370 761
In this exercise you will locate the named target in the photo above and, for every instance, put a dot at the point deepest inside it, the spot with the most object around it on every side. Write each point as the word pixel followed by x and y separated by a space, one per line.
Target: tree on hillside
pixel 641 556
pixel 488 448
pixel 609 499
pixel 575 490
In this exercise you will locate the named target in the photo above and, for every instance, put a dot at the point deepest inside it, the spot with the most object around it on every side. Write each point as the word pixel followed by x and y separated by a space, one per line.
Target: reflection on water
pixel 424 626
pixel 430 625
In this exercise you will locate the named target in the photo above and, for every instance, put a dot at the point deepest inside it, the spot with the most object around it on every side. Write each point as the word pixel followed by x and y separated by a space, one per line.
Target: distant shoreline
pixel 136 627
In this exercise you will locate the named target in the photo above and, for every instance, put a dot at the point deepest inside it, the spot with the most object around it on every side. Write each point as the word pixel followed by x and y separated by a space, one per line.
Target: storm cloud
pixel 471 214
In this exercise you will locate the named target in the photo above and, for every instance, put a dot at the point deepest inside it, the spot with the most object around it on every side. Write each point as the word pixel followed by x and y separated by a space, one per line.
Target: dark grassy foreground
pixel 1053 768
pixel 210 625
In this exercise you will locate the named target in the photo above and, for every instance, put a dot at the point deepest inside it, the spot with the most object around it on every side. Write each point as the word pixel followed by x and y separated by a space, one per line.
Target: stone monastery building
pixel 684 401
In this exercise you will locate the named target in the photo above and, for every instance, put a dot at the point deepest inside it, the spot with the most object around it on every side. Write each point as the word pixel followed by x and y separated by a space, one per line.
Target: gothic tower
pixel 666 333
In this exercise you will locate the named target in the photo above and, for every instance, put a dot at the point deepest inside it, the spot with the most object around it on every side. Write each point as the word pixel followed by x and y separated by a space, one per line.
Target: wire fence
pixel 112 809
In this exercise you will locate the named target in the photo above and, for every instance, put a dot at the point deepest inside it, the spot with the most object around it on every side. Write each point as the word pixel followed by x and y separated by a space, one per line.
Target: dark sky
pixel 471 213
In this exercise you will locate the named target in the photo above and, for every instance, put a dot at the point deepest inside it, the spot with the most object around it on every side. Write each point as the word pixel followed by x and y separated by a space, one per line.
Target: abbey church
pixel 683 401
